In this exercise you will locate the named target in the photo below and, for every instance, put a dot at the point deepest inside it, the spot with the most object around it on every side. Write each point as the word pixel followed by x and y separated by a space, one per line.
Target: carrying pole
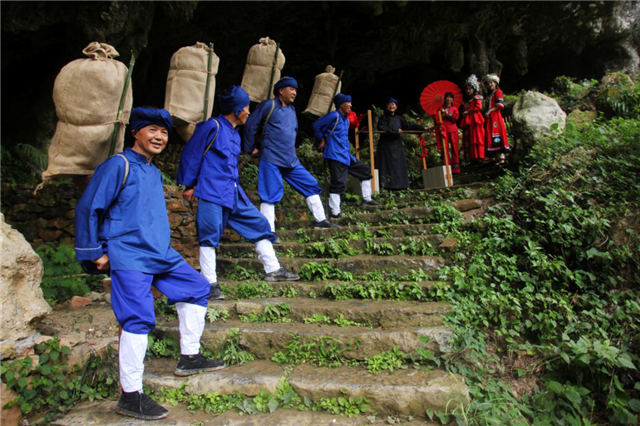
pixel 445 147
pixel 373 167
pixel 335 91
pixel 123 97
pixel 273 70
pixel 205 112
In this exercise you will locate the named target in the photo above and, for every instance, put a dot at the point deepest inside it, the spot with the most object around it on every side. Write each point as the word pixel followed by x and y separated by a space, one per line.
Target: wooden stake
pixel 373 167
pixel 357 144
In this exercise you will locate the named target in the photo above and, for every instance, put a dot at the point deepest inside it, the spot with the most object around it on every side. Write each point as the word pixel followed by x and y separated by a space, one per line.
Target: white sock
pixel 269 211
pixel 267 256
pixel 334 203
pixel 317 209
pixel 365 186
pixel 208 263
pixel 191 320
pixel 131 352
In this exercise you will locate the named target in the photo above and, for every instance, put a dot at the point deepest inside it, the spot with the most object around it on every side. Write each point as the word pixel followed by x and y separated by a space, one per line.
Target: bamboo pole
pixel 445 147
pixel 205 113
pixel 373 167
pixel 123 97
pixel 273 70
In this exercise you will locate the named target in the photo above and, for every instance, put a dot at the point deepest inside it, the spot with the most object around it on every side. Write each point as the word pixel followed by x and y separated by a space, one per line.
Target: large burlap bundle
pixel 324 89
pixel 257 72
pixel 187 84
pixel 87 95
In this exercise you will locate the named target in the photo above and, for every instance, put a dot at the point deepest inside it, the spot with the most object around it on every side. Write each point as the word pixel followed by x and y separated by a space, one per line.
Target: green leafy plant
pixel 314 271
pixel 272 313
pixel 347 405
pixel 214 314
pixel 232 351
pixel 321 351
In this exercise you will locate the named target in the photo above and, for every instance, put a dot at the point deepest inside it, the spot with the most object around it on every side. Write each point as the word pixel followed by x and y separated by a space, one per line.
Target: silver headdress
pixel 473 82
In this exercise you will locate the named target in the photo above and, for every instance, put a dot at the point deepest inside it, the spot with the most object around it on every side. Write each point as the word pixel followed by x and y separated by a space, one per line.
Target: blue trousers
pixel 132 299
pixel 271 189
pixel 244 218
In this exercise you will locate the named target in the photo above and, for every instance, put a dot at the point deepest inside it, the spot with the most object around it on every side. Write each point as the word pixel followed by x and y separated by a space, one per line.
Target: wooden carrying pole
pixel 373 167
pixel 273 71
pixel 445 147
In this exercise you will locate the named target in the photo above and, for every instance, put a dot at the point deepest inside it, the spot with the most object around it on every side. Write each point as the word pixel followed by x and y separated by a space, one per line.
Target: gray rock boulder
pixel 536 117
pixel 21 300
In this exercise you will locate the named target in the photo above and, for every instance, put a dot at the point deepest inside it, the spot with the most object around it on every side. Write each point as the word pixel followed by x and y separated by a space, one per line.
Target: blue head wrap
pixel 340 99
pixel 233 100
pixel 143 117
pixel 388 101
pixel 285 82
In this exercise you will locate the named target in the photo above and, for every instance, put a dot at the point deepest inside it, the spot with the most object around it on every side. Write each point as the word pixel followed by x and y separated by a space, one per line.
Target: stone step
pixel 383 313
pixel 429 243
pixel 406 392
pixel 265 339
pixel 358 265
pixel 313 288
pixel 393 216
pixel 381 231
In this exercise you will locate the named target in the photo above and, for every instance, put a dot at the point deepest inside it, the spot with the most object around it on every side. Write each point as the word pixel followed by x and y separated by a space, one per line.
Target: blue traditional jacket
pixel 128 223
pixel 279 142
pixel 334 129
pixel 214 174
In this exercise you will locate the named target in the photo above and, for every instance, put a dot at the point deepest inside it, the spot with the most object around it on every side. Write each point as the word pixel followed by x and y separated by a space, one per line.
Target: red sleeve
pixel 498 99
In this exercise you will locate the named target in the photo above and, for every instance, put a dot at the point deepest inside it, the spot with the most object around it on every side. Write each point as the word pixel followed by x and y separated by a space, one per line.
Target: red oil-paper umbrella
pixel 432 101
pixel 432 97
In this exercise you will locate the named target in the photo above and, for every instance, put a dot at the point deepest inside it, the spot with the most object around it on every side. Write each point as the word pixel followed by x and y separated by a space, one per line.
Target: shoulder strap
pixel 335 125
pixel 266 121
pixel 212 140
pixel 126 169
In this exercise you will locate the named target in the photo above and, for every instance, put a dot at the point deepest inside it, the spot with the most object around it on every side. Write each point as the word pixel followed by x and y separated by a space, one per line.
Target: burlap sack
pixel 87 94
pixel 324 88
pixel 257 72
pixel 187 82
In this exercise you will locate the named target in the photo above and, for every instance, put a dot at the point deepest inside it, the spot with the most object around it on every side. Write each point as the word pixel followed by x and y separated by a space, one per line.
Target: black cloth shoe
pixel 193 364
pixel 371 202
pixel 336 216
pixel 140 406
pixel 216 292
pixel 324 225
pixel 281 275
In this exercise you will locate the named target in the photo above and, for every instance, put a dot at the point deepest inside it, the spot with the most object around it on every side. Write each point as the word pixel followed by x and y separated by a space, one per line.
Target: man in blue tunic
pixel 209 170
pixel 122 226
pixel 332 131
pixel 278 158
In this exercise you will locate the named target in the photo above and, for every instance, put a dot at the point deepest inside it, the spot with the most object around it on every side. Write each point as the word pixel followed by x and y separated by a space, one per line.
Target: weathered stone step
pixel 358 265
pixel 393 245
pixel 265 339
pixel 381 231
pixel 392 216
pixel 383 313
pixel 312 288
pixel 406 392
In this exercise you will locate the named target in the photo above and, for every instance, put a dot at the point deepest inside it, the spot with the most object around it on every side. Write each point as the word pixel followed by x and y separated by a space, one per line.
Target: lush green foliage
pixel 321 351
pixel 272 313
pixel 63 276
pixel 52 386
pixel 551 276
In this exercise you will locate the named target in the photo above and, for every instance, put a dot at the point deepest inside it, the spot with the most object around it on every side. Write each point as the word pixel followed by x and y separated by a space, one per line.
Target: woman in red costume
pixel 496 133
pixel 472 121
pixel 450 115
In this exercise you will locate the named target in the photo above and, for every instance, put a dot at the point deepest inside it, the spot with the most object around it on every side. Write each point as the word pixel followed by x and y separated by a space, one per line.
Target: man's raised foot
pixel 281 275
pixel 325 224
pixel 189 365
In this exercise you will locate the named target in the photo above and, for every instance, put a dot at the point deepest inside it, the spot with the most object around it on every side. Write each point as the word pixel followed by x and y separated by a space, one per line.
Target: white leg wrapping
pixel 317 209
pixel 267 256
pixel 269 211
pixel 131 352
pixel 334 203
pixel 365 185
pixel 208 263
pixel 191 318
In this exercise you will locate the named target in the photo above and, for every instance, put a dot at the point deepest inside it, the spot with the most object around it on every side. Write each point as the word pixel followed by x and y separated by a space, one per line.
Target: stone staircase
pixel 386 259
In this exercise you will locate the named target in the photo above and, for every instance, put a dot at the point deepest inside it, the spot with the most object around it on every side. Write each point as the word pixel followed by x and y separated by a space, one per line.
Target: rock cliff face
pixel 383 47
